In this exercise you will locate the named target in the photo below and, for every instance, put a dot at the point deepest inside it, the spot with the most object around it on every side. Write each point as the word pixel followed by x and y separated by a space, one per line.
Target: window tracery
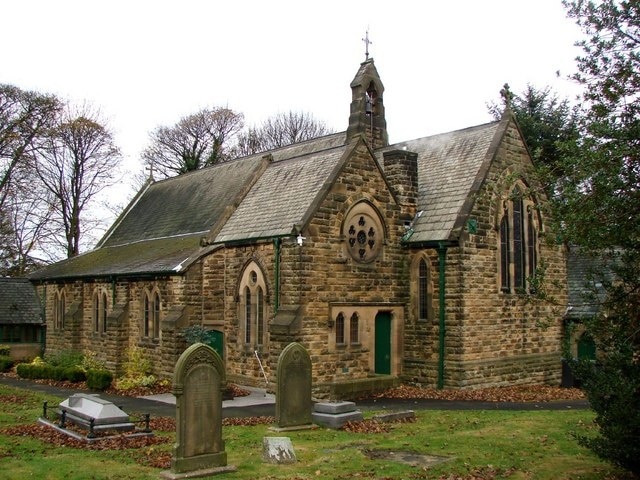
pixel 151 314
pixel 364 233
pixel 253 306
pixel 518 242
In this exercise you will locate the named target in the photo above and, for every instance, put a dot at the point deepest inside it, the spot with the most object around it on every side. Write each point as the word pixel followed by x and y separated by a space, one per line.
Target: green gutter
pixel 276 303
pixel 442 253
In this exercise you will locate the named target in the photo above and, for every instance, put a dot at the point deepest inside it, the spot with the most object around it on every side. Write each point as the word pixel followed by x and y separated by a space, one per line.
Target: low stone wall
pixel 499 371
pixel 352 389
pixel 516 370
pixel 25 351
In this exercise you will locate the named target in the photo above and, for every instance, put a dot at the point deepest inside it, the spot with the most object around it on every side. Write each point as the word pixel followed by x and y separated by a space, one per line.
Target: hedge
pixel 99 379
pixel 39 371
pixel 6 362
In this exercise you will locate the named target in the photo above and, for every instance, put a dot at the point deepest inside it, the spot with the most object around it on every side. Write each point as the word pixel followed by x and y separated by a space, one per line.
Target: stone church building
pixel 416 262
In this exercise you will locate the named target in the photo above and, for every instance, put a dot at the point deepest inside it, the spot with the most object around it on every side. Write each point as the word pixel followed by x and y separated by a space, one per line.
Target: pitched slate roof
pixel 162 228
pixel 282 197
pixel 183 205
pixel 253 198
pixel 19 303
pixel 451 167
pixel 585 274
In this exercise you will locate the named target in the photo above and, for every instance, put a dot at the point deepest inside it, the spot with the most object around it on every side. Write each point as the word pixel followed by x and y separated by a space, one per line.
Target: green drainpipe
pixel 442 253
pixel 43 333
pixel 276 303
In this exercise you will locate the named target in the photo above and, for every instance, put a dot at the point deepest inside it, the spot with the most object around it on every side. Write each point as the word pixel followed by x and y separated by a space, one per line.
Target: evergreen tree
pixel 600 209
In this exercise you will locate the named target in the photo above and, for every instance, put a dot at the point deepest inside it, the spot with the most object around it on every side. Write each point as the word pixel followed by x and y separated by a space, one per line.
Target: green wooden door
pixel 215 339
pixel 383 343
pixel 586 348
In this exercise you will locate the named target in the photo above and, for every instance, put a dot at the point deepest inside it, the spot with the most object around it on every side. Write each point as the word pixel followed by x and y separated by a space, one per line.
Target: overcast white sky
pixel 147 63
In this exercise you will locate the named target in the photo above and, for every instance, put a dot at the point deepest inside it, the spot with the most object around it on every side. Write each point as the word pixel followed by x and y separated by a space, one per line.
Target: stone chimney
pixel 367 109
pixel 401 171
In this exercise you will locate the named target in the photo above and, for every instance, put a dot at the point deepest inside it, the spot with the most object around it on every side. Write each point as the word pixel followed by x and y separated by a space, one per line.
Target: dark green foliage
pixel 196 334
pixel 65 358
pixel 46 371
pixel 547 123
pixel 35 371
pixel 616 404
pixel 6 363
pixel 99 379
pixel 5 350
pixel 600 208
pixel 74 374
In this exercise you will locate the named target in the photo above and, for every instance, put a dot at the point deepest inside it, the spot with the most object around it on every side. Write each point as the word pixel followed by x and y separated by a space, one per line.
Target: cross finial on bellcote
pixel 367 42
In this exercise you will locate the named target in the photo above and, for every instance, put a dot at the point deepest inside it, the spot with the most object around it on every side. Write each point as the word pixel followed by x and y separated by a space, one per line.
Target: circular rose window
pixel 363 233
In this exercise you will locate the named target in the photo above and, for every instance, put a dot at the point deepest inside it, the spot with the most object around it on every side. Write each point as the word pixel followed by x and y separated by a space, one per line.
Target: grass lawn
pixel 476 444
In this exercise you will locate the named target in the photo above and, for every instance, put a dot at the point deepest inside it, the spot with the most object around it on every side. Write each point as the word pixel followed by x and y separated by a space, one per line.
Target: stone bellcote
pixel 367 108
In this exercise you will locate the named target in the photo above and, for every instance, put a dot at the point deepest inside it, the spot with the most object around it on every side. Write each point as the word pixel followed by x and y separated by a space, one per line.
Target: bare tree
pixel 24 116
pixel 196 141
pixel 280 130
pixel 27 218
pixel 76 161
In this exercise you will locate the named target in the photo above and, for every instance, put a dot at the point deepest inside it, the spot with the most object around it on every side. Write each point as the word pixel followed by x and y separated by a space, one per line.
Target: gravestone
pixel 293 390
pixel 85 410
pixel 335 414
pixel 198 382
pixel 278 450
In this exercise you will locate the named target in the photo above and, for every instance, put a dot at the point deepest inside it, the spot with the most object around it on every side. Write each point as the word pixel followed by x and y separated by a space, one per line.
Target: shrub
pixel 91 362
pixel 5 350
pixel 137 364
pixel 128 383
pixel 99 379
pixel 35 371
pixel 65 358
pixel 6 363
pixel 74 374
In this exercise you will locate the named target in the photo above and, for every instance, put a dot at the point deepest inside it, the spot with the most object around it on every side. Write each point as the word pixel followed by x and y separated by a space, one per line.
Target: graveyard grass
pixel 481 444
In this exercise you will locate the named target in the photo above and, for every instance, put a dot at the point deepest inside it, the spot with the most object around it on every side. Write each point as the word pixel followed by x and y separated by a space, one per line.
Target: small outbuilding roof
pixel 19 303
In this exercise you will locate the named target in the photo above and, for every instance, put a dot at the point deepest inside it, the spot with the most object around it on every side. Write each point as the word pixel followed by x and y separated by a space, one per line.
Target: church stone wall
pixel 125 311
pixel 330 281
pixel 494 338
pixel 317 279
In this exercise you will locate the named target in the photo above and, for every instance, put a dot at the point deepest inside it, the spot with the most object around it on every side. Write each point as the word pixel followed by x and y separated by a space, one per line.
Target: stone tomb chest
pixel 82 408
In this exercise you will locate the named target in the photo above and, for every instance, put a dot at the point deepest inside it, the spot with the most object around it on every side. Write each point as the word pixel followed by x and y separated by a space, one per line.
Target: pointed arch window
pixel 103 312
pixel 59 309
pixel 354 329
pixel 421 288
pixel 505 253
pixel 253 306
pixel 340 329
pixel 96 311
pixel 152 306
pixel 156 315
pixel 248 317
pixel 532 242
pixel 147 314
pixel 99 310
pixel 260 316
pixel 518 232
pixel 518 242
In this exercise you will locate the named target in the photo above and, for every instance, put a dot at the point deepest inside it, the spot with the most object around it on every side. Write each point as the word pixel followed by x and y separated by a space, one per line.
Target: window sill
pixel 149 342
